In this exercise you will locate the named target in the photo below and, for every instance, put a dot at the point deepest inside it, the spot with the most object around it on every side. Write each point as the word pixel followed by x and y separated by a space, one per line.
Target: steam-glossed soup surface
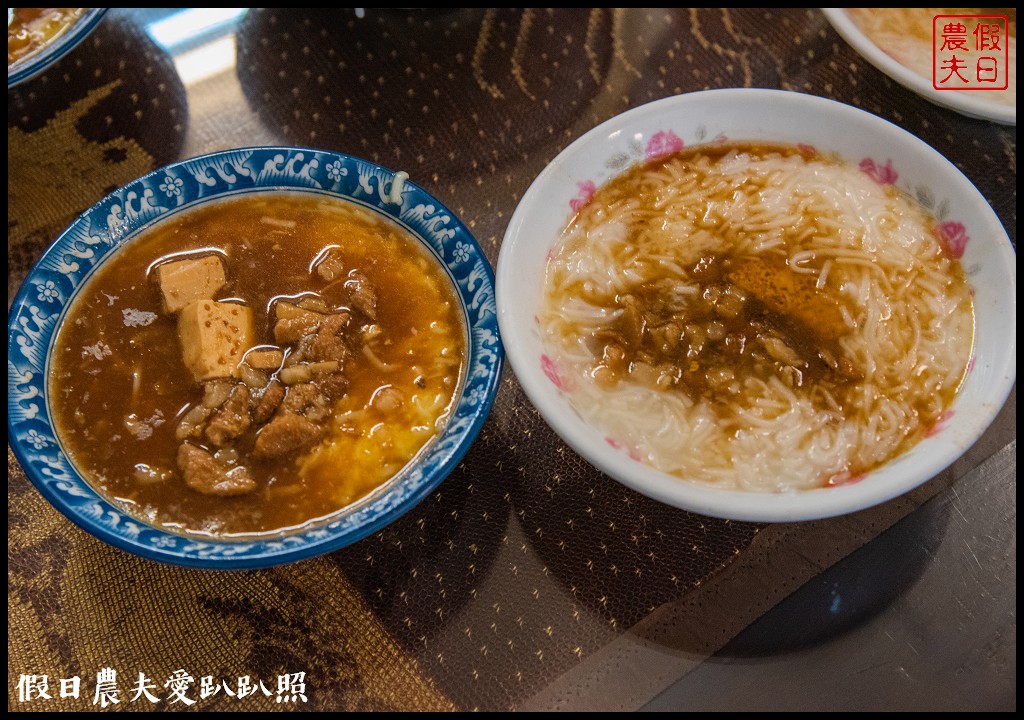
pixel 756 317
pixel 291 355
pixel 29 30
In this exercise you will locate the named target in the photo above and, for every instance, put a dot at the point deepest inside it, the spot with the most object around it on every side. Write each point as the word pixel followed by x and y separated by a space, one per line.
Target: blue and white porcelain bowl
pixel 54 50
pixel 100 232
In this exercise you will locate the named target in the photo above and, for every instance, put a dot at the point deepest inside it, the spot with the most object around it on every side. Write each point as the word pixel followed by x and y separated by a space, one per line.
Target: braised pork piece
pixel 289 357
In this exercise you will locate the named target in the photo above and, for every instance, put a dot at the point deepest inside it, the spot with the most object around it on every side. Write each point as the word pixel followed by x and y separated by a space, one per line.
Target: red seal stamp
pixel 970 52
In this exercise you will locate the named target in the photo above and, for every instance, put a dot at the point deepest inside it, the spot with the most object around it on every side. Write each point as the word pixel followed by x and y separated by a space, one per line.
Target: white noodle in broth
pixel 756 317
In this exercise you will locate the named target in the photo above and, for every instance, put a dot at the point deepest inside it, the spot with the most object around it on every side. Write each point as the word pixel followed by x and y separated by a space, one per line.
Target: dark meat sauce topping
pixel 751 317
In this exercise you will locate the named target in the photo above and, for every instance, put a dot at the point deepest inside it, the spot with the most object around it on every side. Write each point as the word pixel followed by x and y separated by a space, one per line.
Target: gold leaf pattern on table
pixel 107 113
pixel 76 605
pixel 58 157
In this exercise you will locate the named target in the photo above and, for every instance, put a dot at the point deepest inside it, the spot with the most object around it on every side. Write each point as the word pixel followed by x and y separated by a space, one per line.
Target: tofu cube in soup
pixel 185 281
pixel 214 337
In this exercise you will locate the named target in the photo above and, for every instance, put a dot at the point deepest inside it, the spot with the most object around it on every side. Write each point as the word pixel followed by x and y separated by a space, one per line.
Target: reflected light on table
pixel 207 60
pixel 200 40
pixel 190 25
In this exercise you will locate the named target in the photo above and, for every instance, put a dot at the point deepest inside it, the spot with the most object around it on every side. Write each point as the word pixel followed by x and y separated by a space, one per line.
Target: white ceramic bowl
pixel 777 116
pixel 971 104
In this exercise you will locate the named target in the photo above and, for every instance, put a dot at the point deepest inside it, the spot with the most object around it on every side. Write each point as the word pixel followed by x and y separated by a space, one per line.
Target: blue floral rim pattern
pixel 58 48
pixel 96 234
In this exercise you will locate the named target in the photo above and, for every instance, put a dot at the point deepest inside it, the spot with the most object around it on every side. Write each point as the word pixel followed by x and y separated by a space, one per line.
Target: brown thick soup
pixel 256 364
pixel 31 29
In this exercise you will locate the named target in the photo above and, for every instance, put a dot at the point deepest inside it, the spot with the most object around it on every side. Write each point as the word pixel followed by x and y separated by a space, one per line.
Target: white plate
pixel 966 103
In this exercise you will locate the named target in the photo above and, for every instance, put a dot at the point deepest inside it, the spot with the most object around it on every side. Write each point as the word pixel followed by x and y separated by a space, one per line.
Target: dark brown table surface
pixel 528 580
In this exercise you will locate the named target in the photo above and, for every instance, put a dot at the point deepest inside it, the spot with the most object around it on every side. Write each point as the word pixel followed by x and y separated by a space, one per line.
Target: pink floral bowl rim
pixel 969 229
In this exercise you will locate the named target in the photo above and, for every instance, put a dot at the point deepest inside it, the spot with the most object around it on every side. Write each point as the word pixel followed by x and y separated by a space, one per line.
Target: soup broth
pixel 29 30
pixel 290 356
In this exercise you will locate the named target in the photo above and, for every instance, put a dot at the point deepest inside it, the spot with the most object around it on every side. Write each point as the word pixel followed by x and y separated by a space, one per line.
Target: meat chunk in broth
pixel 267 402
pixel 329 341
pixel 204 473
pixel 232 419
pixel 364 297
pixel 287 433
